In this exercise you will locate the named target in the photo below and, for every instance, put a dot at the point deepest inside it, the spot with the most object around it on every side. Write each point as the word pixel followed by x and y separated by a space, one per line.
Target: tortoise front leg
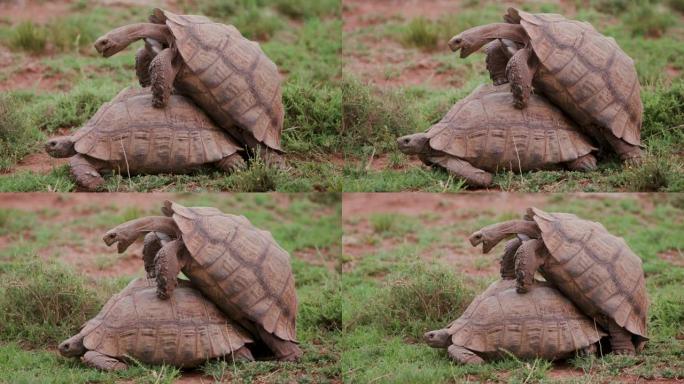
pixel 460 168
pixel 439 338
pixel 242 354
pixel 496 62
pixel 103 362
pixel 520 73
pixel 153 243
pixel 167 265
pixel 231 163
pixel 528 259
pixel 507 270
pixel 620 339
pixel 463 355
pixel 86 172
pixel 143 58
pixel 583 164
pixel 163 70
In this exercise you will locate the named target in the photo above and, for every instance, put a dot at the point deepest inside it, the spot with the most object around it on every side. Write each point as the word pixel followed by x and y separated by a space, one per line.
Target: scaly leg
pixel 153 243
pixel 163 70
pixel 620 339
pixel 103 362
pixel 584 163
pixel 508 259
pixel 242 354
pixel 529 257
pixel 629 154
pixel 167 265
pixel 440 338
pixel 282 349
pixel 496 62
pixel 474 176
pixel 231 163
pixel 86 172
pixel 520 73
pixel 143 58
pixel 464 356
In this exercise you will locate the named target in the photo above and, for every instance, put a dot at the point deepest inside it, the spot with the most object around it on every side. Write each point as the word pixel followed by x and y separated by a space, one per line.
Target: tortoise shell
pixel 585 73
pixel 129 134
pixel 597 270
pixel 229 76
pixel 542 323
pixel 486 130
pixel 183 331
pixel 239 267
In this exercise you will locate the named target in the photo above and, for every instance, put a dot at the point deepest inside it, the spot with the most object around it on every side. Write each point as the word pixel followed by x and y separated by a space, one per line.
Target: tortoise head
pixel 72 347
pixel 118 39
pixel 62 146
pixel 472 39
pixel 437 339
pixel 123 235
pixel 492 235
pixel 414 144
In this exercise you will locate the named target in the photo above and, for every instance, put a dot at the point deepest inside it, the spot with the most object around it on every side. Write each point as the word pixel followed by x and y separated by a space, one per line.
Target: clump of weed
pixel 73 32
pixel 248 16
pixel 73 108
pixel 258 177
pixel 655 173
pixel 612 7
pixel 418 298
pixel 530 372
pixel 667 312
pixel 42 303
pixel 303 9
pixel 664 112
pixel 29 37
pixel 322 308
pixel 18 136
pixel 677 5
pixel 648 19
pixel 421 33
pixel 390 224
pixel 374 117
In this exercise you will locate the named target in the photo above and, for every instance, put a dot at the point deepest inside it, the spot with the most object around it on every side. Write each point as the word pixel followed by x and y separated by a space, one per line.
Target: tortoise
pixel 580 70
pixel 236 265
pixel 484 133
pixel 592 267
pixel 184 331
pixel 128 136
pixel 542 324
pixel 227 75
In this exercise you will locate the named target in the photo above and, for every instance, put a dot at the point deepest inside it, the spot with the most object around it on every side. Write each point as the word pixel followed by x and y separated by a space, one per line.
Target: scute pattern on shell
pixel 128 133
pixel 541 323
pixel 183 331
pixel 586 74
pixel 595 268
pixel 487 131
pixel 238 83
pixel 240 267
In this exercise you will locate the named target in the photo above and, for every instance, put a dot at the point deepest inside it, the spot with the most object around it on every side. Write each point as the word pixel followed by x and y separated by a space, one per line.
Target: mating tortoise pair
pixel 594 283
pixel 238 267
pixel 580 71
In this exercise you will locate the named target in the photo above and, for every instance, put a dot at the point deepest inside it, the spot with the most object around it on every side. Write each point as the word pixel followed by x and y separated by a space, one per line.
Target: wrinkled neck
pixel 135 32
pixel 161 224
pixel 514 227
pixel 486 33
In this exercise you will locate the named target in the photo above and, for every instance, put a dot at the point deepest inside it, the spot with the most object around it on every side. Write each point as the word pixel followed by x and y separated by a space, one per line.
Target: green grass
pixel 373 117
pixel 302 39
pixel 46 294
pixel 390 298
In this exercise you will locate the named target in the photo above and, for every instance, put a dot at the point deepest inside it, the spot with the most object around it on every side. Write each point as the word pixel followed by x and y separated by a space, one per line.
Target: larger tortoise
pixel 484 133
pixel 582 71
pixel 184 331
pixel 237 266
pixel 128 136
pixel 542 324
pixel 227 75
pixel 592 267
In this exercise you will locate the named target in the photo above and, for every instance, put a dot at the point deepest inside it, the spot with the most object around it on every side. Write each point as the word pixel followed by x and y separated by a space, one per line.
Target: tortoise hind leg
pixel 163 70
pixel 242 354
pixel 463 356
pixel 620 339
pixel 496 62
pixel 270 156
pixel 103 362
pixel 282 349
pixel 520 73
pixel 629 154
pixel 86 172
pixel 474 176
pixel 584 163
pixel 231 163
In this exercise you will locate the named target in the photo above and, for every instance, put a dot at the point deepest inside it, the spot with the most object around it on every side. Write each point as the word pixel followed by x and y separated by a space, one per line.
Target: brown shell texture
pixel 131 135
pixel 185 330
pixel 231 78
pixel 239 267
pixel 542 323
pixel 586 74
pixel 595 269
pixel 486 130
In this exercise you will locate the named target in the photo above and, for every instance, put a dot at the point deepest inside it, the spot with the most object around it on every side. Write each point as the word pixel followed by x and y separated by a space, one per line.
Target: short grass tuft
pixel 29 37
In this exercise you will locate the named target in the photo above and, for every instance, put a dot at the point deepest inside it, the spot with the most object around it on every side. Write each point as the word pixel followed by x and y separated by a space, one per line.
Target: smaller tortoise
pixel 184 331
pixel 543 324
pixel 583 72
pixel 484 132
pixel 238 266
pixel 227 75
pixel 592 267
pixel 128 136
